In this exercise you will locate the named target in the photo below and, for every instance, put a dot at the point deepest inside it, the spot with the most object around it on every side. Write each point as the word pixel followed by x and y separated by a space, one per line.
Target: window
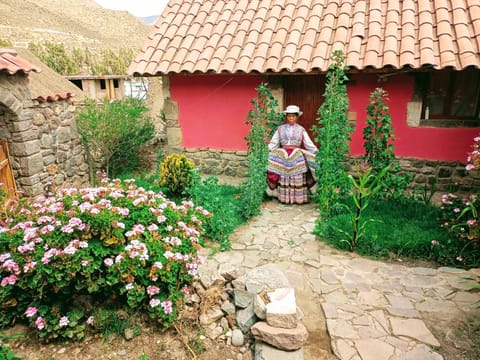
pixel 450 98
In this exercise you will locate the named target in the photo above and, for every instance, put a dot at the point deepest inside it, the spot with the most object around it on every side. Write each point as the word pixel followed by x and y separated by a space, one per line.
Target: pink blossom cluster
pixel 473 158
pixel 53 233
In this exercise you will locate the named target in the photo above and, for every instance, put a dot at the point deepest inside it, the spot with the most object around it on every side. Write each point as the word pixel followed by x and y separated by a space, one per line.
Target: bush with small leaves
pixel 175 174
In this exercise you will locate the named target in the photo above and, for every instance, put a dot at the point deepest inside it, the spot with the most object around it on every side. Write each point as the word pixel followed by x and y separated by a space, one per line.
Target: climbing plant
pixel 263 120
pixel 332 132
pixel 379 150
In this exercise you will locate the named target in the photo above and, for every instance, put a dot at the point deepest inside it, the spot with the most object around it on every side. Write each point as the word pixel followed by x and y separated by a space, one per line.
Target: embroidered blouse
pixel 292 135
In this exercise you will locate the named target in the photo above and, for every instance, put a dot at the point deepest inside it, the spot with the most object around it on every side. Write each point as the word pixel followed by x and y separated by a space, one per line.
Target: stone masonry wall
pixel 45 147
pixel 448 176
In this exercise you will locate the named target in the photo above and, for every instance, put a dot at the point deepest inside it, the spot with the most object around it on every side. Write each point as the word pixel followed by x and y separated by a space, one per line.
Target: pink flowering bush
pixel 117 242
pixel 460 216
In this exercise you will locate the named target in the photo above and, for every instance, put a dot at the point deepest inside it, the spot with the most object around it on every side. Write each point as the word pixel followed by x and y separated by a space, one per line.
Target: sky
pixel 139 8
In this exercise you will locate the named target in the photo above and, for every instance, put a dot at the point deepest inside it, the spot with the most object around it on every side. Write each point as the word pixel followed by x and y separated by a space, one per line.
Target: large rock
pixel 265 277
pixel 211 316
pixel 283 339
pixel 260 307
pixel 242 298
pixel 246 318
pixel 264 351
pixel 281 311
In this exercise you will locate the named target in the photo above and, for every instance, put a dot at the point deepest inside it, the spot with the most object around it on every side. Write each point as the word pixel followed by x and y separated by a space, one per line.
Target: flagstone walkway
pixel 354 308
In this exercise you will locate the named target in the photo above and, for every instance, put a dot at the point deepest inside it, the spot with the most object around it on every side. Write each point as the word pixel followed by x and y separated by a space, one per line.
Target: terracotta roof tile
pixel 286 35
pixel 12 64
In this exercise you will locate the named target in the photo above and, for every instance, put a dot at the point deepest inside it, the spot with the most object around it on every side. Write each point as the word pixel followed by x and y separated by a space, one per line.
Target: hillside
pixel 75 23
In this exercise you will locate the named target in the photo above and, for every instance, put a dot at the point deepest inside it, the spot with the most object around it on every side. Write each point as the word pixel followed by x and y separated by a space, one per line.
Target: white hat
pixel 293 109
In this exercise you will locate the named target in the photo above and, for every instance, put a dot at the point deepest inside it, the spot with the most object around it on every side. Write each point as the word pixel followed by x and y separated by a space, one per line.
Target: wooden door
pixel 306 91
pixel 6 175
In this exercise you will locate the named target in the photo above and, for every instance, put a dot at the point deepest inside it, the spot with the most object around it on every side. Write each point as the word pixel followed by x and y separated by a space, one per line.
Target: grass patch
pixel 401 228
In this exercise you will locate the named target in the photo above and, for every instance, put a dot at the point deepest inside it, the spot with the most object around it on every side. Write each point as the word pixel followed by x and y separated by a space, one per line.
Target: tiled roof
pixel 200 36
pixel 44 84
pixel 11 63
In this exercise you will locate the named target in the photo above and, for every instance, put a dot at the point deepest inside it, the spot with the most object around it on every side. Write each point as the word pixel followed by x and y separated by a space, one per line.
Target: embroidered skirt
pixel 289 175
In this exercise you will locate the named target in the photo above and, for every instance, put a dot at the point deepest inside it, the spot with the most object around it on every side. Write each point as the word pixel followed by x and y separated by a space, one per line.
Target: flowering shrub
pixel 117 242
pixel 460 216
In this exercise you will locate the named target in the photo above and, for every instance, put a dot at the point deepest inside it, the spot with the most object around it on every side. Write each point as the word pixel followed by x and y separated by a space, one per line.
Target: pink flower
pixel 31 311
pixel 108 262
pixel 9 280
pixel 63 321
pixel 152 227
pixel 29 266
pixel 185 290
pixel 129 286
pixel 434 242
pixel 459 258
pixel 154 303
pixel 40 323
pixel 167 306
pixel 152 290
pixel 90 320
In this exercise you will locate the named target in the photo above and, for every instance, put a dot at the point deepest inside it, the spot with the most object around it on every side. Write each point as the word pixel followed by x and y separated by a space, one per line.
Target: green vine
pixel 379 150
pixel 333 135
pixel 263 121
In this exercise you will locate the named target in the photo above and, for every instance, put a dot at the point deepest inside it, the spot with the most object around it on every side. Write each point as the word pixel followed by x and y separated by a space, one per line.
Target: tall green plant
pixel 379 150
pixel 263 120
pixel 114 132
pixel 364 188
pixel 333 134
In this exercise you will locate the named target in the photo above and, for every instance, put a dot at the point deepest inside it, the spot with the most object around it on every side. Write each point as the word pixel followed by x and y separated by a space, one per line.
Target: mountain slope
pixel 75 23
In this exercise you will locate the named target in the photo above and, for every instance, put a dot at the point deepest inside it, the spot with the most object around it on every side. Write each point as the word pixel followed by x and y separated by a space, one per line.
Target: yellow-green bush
pixel 175 173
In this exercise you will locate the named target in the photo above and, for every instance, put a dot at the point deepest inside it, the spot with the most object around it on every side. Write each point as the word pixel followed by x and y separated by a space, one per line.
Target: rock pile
pixel 252 311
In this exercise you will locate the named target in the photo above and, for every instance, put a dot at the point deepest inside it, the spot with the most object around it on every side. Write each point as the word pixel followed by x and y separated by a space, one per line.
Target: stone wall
pixel 215 162
pixel 448 176
pixel 45 147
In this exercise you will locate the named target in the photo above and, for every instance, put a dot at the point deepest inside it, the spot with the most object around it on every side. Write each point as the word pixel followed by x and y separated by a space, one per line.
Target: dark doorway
pixel 307 92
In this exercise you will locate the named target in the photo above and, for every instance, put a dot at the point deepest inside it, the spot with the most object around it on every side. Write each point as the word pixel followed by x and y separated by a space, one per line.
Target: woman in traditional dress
pixel 290 167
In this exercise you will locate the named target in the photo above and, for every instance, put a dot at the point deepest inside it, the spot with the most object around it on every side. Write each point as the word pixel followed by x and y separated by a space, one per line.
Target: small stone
pixel 237 338
pixel 128 334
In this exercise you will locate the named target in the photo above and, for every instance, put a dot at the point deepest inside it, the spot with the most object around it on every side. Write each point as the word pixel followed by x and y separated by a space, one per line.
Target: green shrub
pixel 176 174
pixel 222 202
pixel 113 134
pixel 115 243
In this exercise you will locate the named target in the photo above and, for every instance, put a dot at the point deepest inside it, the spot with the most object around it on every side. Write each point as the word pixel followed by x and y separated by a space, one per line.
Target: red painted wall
pixel 212 109
pixel 449 144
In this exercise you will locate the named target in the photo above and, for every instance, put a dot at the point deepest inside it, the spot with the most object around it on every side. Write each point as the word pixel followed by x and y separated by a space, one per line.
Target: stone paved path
pixel 357 308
